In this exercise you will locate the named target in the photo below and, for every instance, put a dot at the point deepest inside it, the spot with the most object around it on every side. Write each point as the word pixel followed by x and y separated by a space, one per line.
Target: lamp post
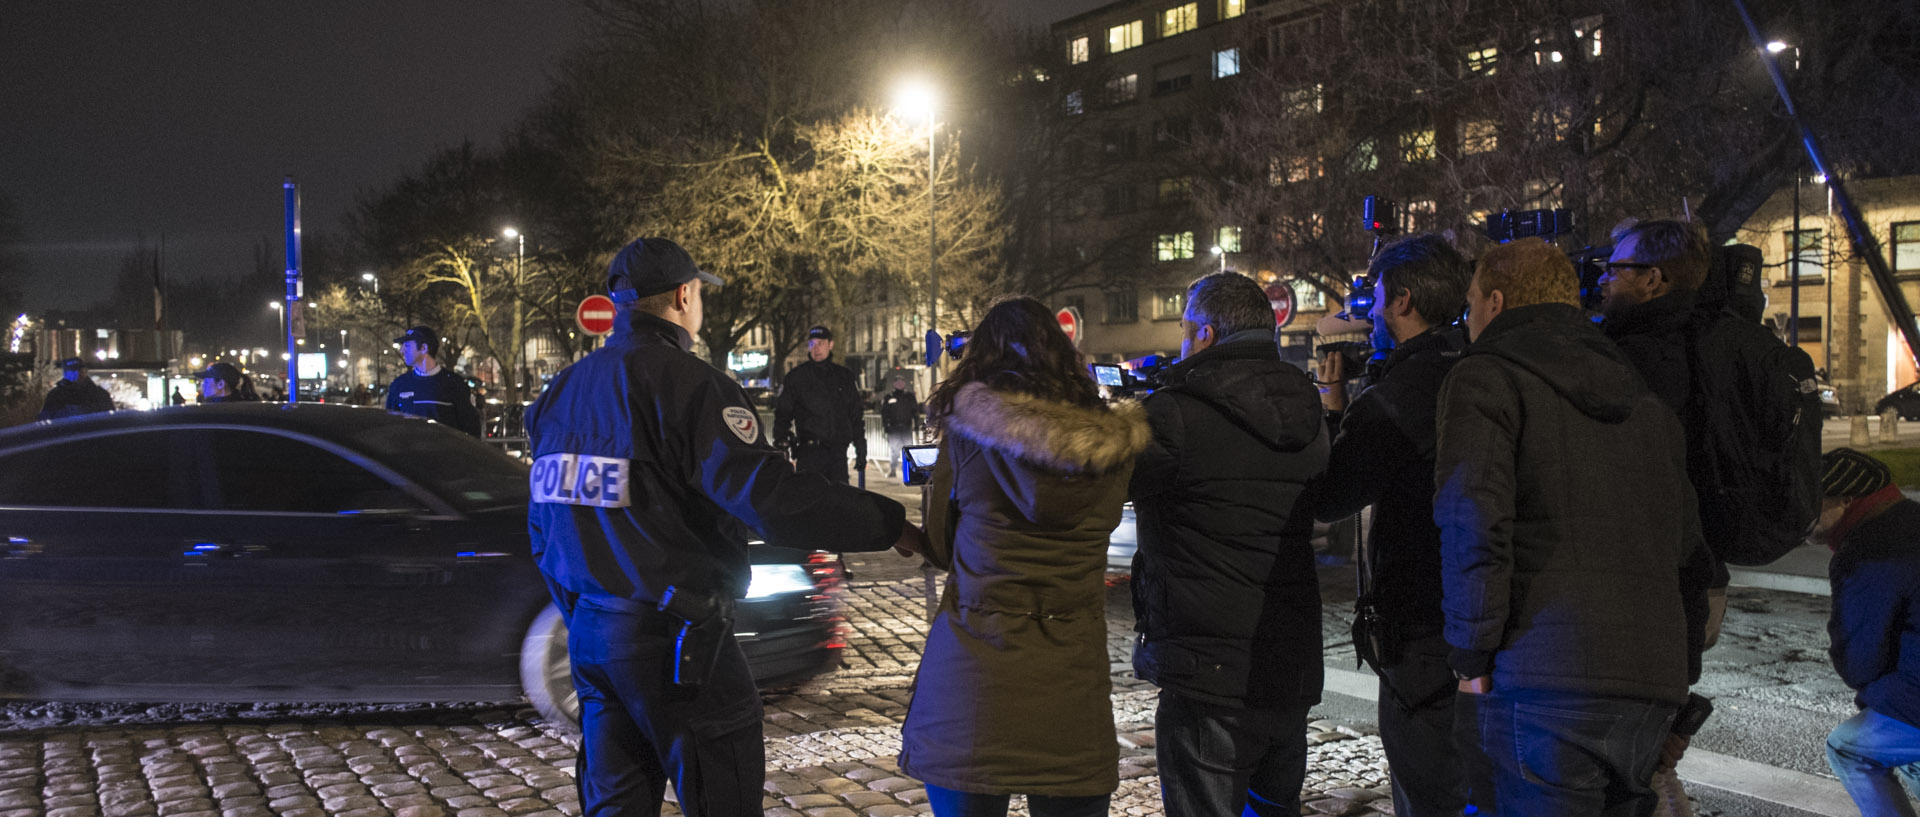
pixel 916 96
pixel 519 281
pixel 279 317
pixel 372 279
pixel 1223 257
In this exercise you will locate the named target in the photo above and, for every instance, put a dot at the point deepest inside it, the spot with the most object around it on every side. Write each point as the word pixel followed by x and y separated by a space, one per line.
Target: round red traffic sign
pixel 595 315
pixel 1069 319
pixel 1280 295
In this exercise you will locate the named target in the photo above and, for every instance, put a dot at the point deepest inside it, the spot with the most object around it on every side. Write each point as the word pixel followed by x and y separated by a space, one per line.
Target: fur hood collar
pixel 1056 435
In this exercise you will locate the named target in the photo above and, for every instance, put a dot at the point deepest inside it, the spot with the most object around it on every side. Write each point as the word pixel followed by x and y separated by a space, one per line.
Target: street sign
pixel 1069 319
pixel 595 315
pixel 1280 295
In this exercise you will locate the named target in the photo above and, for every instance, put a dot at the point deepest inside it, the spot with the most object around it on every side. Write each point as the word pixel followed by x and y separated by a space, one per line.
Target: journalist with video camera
pixel 1566 521
pixel 647 459
pixel 1225 596
pixel 1383 457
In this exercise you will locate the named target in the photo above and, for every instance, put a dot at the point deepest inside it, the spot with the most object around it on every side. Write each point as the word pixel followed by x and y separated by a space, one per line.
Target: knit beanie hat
pixel 1846 472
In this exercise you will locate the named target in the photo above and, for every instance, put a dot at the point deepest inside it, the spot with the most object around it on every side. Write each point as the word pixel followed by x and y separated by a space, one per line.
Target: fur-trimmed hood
pixel 1056 435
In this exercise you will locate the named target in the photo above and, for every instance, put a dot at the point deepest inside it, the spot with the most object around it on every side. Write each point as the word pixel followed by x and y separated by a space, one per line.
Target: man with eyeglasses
pixel 1649 300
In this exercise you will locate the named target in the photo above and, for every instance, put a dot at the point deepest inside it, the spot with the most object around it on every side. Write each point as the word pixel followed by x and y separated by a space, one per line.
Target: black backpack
pixel 1755 407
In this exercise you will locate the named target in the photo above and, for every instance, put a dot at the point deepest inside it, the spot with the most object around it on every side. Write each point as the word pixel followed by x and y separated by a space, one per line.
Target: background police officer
pixel 819 411
pixel 645 456
pixel 75 394
pixel 429 390
pixel 223 383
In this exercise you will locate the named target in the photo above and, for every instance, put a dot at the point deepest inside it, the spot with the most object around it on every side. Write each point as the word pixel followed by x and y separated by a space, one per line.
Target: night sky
pixel 118 118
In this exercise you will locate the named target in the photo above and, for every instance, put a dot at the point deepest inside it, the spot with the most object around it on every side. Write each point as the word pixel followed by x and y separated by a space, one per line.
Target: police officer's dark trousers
pixel 1416 727
pixel 639 730
pixel 826 459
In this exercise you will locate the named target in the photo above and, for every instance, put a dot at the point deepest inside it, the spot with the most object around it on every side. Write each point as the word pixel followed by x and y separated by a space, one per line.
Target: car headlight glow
pixel 773 580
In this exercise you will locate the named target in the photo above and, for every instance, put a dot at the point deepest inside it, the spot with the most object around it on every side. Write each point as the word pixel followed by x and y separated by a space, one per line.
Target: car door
pixel 326 570
pixel 95 526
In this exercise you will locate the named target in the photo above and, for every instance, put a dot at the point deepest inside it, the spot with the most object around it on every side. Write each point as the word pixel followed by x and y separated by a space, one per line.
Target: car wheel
pixel 546 676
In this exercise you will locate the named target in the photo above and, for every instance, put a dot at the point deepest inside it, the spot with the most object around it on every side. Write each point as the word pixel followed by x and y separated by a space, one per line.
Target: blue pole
pixel 293 286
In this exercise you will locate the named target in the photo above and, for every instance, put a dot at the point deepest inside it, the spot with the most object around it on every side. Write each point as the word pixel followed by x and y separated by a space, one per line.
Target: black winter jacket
pixel 1875 625
pixel 443 397
pixel 1226 599
pixel 72 398
pixel 1565 515
pixel 1384 458
pixel 1653 336
pixel 819 402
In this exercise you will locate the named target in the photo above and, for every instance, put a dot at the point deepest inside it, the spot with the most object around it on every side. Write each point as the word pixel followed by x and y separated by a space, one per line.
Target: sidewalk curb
pixel 1771 784
pixel 1790 582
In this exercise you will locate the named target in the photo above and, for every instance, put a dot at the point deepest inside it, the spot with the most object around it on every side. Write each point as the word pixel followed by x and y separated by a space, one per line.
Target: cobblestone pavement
pixel 830 747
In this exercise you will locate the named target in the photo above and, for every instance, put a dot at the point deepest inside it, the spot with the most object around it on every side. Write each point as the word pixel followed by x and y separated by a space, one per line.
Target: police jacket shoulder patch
pixel 742 422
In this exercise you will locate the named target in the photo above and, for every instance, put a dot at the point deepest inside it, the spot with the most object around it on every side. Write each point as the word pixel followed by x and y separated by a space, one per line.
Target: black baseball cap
pixel 650 266
pixel 73 363
pixel 420 334
pixel 820 333
pixel 223 372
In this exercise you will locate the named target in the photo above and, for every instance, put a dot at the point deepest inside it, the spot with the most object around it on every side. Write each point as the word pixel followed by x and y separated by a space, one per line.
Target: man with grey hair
pixel 1224 591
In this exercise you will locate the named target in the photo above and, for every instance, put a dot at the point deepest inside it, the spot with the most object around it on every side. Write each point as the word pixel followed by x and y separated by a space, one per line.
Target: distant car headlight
pixel 773 580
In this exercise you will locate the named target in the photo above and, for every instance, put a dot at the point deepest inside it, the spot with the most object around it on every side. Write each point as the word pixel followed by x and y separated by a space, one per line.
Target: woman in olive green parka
pixel 1013 691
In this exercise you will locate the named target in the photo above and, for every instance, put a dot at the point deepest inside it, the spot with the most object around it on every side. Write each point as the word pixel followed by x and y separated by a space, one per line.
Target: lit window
pixel 1906 246
pixel 1479 136
pixel 1418 216
pixel 1227 239
pixel 1123 37
pixel 1806 248
pixel 1555 124
pixel 1180 19
pixel 1073 104
pixel 1169 304
pixel 1303 101
pixel 1307 297
pixel 1302 168
pixel 1586 31
pixel 1230 9
pixel 1123 89
pixel 1416 145
pixel 1078 51
pixel 1173 246
pixel 1366 156
pixel 1226 62
pixel 1483 60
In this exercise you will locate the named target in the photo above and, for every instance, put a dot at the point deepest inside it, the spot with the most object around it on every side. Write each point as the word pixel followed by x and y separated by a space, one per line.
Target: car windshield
pixel 467 472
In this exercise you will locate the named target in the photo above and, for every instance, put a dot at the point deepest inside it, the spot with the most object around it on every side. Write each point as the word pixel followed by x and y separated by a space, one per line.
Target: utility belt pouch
pixel 705 621
pixel 1374 642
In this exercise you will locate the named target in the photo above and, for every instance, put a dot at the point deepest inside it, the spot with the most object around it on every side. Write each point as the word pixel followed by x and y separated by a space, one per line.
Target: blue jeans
pixel 1217 760
pixel 1865 752
pixel 1566 754
pixel 950 803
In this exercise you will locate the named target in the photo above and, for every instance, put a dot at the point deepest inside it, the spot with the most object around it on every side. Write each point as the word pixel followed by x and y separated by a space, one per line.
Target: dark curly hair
pixel 1018 347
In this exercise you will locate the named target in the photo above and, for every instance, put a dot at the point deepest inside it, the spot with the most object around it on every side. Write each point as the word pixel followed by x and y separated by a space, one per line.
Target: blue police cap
pixel 650 266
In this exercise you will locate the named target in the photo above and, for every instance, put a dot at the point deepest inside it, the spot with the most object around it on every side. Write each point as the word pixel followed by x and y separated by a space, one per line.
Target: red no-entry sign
pixel 1280 295
pixel 1069 319
pixel 595 315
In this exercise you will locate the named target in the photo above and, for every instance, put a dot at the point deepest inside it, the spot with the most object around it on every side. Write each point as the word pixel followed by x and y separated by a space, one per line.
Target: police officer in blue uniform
pixel 428 389
pixel 819 412
pixel 646 461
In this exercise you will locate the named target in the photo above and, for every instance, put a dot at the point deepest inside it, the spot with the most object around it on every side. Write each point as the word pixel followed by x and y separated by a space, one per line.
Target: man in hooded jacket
pixel 1566 522
pixel 1225 596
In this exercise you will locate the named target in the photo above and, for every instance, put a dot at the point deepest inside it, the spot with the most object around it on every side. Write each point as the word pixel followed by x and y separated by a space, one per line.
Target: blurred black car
pixel 1905 401
pixel 263 552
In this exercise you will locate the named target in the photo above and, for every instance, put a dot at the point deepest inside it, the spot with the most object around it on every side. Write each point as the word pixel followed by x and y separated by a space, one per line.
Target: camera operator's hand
pixel 1333 383
pixel 912 540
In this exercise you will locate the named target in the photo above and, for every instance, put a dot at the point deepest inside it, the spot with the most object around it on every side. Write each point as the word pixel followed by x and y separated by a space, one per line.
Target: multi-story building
pixel 1144 77
pixel 1842 319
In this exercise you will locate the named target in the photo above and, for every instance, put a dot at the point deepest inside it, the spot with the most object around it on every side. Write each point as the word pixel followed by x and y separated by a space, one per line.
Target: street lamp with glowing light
pixel 917 96
pixel 1223 257
pixel 372 279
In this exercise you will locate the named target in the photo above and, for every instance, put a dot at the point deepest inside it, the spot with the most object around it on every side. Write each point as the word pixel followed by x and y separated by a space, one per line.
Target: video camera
pixel 1588 262
pixel 953 345
pixel 1135 378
